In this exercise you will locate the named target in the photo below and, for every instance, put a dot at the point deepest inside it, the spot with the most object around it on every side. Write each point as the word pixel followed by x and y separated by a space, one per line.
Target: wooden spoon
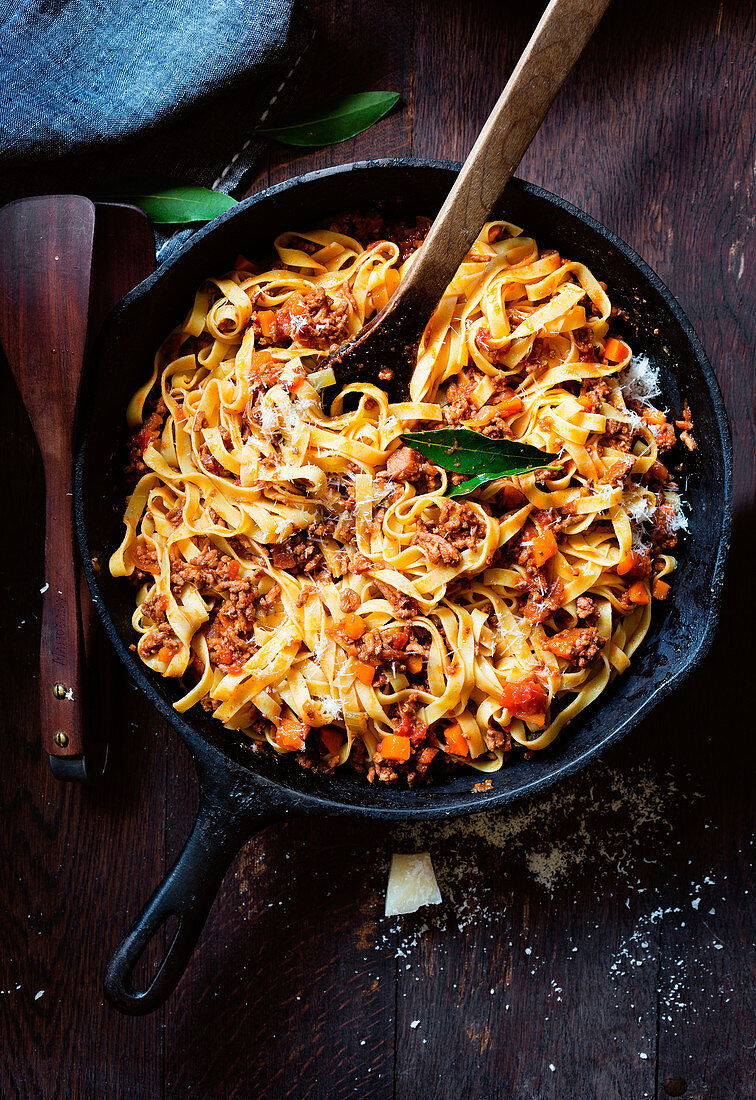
pixel 384 351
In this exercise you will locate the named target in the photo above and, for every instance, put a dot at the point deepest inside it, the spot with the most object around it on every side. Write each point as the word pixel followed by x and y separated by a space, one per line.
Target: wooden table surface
pixel 594 943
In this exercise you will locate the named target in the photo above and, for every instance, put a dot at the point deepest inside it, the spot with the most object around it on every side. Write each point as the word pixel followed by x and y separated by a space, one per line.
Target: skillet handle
pixel 187 893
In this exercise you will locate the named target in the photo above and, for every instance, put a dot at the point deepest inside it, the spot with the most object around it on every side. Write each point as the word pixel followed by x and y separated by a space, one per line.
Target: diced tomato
pixel 291 385
pixel 408 727
pixel 395 748
pixel 143 439
pixel 511 406
pixel 399 637
pixel 525 699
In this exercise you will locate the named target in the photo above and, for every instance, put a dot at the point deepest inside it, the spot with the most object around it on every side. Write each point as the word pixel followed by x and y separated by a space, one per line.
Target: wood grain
pixel 653 135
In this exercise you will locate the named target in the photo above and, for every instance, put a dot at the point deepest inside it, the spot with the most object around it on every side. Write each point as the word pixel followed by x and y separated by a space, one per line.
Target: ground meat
pixel 369 228
pixel 161 637
pixel 663 534
pixel 586 609
pixel 664 434
pixel 404 606
pixel 210 572
pixel 318 320
pixel 543 598
pixel 458 528
pixel 300 554
pixel 150 431
pixel 579 645
pixel 497 738
pixel 584 342
pixel 596 390
pixel 348 600
pixel 459 404
pixel 619 435
pixel 539 358
pixel 145 560
pixel 210 463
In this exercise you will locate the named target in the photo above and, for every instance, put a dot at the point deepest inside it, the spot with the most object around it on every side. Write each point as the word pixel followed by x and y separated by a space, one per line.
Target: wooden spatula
pixel 384 351
pixel 45 262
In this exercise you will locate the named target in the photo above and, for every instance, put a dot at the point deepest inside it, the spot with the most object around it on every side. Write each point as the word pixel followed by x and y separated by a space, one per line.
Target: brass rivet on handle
pixel 61 739
pixel 59 691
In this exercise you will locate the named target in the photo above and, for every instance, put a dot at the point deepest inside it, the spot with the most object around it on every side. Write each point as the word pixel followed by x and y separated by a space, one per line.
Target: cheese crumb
pixel 415 1023
pixel 412 883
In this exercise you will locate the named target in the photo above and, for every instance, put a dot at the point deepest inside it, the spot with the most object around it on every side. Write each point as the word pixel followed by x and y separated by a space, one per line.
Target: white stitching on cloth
pixel 264 115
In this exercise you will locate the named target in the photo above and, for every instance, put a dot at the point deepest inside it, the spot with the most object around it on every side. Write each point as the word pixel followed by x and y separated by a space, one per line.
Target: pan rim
pixel 272 792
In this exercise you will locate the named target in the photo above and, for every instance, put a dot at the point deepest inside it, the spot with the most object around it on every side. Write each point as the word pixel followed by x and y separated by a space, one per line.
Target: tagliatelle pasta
pixel 304 572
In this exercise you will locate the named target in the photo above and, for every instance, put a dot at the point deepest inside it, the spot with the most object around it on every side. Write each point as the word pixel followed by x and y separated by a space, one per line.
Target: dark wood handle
pixel 61 651
pixel 556 43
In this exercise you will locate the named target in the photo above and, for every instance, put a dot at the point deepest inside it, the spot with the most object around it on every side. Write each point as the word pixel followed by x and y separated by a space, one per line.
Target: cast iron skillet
pixel 241 791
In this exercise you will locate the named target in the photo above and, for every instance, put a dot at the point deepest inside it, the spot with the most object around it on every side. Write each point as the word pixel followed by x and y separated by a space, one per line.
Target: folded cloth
pixel 95 92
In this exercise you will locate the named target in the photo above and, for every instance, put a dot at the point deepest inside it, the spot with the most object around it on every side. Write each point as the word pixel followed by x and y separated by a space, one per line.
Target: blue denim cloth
pixel 96 91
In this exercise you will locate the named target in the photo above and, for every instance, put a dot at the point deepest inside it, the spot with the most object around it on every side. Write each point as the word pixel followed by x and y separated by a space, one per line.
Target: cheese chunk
pixel 411 883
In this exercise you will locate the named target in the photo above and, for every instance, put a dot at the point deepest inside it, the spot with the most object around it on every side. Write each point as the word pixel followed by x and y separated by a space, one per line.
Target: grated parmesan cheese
pixel 411 883
pixel 330 707
pixel 640 381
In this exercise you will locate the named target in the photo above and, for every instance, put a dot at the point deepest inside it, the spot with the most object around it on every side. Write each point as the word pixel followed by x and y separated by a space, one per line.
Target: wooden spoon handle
pixel 556 43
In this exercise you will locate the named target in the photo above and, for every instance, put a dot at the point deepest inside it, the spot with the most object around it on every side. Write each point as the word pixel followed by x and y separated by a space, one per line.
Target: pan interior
pixel 681 628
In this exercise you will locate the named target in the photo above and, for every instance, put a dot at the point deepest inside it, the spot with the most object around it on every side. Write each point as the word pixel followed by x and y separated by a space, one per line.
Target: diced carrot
pixel 455 740
pixel 512 406
pixel 637 592
pixel 266 318
pixel 291 734
pixel 415 664
pixel 628 562
pixel 660 590
pixel 165 654
pixel 365 672
pixel 586 401
pixel 332 739
pixel 544 546
pixel 180 413
pixel 615 350
pixel 395 748
pixel 353 626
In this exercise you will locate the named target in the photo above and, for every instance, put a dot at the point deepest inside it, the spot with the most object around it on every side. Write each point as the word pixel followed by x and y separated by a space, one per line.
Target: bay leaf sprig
pixel 463 451
pixel 332 120
pixel 167 203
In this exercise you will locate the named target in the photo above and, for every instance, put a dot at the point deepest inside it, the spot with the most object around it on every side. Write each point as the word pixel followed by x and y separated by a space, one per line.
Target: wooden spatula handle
pixel 555 45
pixel 61 651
